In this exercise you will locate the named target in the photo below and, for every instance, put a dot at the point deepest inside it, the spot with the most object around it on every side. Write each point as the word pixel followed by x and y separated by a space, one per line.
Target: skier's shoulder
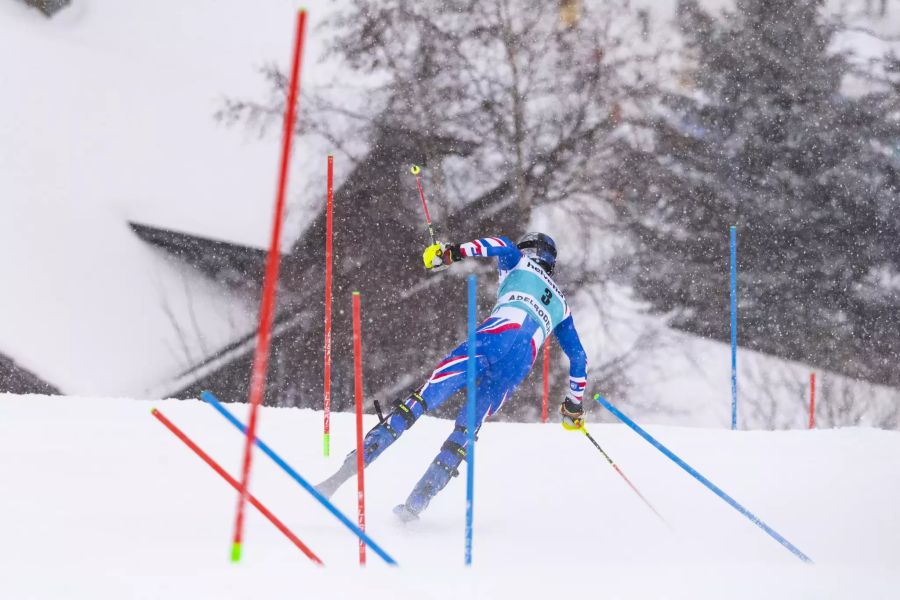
pixel 532 266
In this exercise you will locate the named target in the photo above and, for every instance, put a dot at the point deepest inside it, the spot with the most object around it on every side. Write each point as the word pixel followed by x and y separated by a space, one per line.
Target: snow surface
pixel 101 501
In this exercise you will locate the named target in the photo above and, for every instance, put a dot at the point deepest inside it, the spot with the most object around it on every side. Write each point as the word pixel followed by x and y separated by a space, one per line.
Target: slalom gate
pixel 270 284
pixel 360 449
pixel 471 372
pixel 706 482
pixel 236 485
pixel 734 322
pixel 210 399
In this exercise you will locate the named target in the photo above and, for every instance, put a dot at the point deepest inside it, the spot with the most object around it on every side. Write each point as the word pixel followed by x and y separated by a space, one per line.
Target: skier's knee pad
pixel 378 439
pixel 452 453
pixel 408 412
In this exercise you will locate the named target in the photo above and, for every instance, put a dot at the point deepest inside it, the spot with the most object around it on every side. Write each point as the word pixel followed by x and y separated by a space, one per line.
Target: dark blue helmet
pixel 539 247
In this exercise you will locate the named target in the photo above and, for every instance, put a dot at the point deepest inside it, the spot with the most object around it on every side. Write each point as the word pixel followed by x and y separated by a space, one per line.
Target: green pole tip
pixel 236 552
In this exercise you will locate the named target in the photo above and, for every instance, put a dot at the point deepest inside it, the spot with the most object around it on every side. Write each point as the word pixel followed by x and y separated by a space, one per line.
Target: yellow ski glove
pixel 434 255
pixel 439 256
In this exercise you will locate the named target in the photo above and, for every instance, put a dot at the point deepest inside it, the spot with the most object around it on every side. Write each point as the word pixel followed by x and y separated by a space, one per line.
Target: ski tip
pixel 356 293
pixel 153 411
pixel 326 445
pixel 236 552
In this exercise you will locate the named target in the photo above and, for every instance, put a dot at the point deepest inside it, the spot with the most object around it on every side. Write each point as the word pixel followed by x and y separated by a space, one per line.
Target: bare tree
pixel 518 109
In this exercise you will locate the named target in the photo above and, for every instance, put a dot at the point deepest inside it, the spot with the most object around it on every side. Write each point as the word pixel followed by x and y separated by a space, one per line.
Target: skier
pixel 529 307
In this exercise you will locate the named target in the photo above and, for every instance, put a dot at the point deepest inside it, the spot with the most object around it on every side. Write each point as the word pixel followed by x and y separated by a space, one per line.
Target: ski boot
pixel 437 476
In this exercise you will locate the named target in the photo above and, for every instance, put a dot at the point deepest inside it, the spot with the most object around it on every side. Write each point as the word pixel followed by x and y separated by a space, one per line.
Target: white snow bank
pixel 100 495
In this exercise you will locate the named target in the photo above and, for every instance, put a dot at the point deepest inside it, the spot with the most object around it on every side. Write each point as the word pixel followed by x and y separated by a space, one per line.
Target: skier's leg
pixel 453 451
pixel 495 386
pixel 444 467
pixel 445 380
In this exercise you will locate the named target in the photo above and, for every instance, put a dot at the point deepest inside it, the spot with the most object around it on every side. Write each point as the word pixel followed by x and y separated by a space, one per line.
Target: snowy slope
pixel 101 496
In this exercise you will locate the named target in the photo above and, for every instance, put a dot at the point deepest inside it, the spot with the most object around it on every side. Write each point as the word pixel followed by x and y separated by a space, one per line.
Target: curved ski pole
pixel 628 481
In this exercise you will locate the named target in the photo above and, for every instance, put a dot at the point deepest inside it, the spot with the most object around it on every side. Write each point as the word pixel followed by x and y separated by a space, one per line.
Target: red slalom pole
pixel 545 397
pixel 329 234
pixel 233 483
pixel 267 308
pixel 812 400
pixel 358 393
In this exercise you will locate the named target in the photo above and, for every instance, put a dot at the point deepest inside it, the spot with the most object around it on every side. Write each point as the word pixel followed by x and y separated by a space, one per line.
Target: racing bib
pixel 528 287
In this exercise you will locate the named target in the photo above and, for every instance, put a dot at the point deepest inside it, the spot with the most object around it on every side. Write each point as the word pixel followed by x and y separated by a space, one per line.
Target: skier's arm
pixel 571 408
pixel 442 255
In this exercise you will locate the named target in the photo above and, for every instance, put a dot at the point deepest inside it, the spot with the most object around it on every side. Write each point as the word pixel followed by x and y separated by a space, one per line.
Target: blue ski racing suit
pixel 529 308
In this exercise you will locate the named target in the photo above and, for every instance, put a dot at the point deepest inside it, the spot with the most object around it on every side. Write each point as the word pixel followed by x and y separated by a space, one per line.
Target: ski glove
pixel 572 414
pixel 439 256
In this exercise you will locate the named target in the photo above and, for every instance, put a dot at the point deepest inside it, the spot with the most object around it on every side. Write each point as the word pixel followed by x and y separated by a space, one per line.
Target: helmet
pixel 539 247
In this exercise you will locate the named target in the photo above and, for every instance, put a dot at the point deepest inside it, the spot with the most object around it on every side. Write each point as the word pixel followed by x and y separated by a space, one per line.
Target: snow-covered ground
pixel 101 501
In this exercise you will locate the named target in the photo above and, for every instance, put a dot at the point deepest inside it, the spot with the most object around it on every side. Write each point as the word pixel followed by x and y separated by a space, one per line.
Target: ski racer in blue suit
pixel 530 306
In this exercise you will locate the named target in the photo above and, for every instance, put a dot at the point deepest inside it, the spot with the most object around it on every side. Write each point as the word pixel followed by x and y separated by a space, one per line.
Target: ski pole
pixel 415 170
pixel 619 471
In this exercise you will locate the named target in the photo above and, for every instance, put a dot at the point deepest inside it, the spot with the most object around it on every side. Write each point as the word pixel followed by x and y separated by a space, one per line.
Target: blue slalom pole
pixel 210 399
pixel 712 487
pixel 733 232
pixel 470 417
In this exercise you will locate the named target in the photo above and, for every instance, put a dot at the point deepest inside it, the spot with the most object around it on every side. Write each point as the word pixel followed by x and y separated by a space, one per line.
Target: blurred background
pixel 138 156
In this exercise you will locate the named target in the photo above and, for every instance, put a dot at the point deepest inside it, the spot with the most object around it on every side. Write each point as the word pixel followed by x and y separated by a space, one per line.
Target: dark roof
pixel 233 265
pixel 17 380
